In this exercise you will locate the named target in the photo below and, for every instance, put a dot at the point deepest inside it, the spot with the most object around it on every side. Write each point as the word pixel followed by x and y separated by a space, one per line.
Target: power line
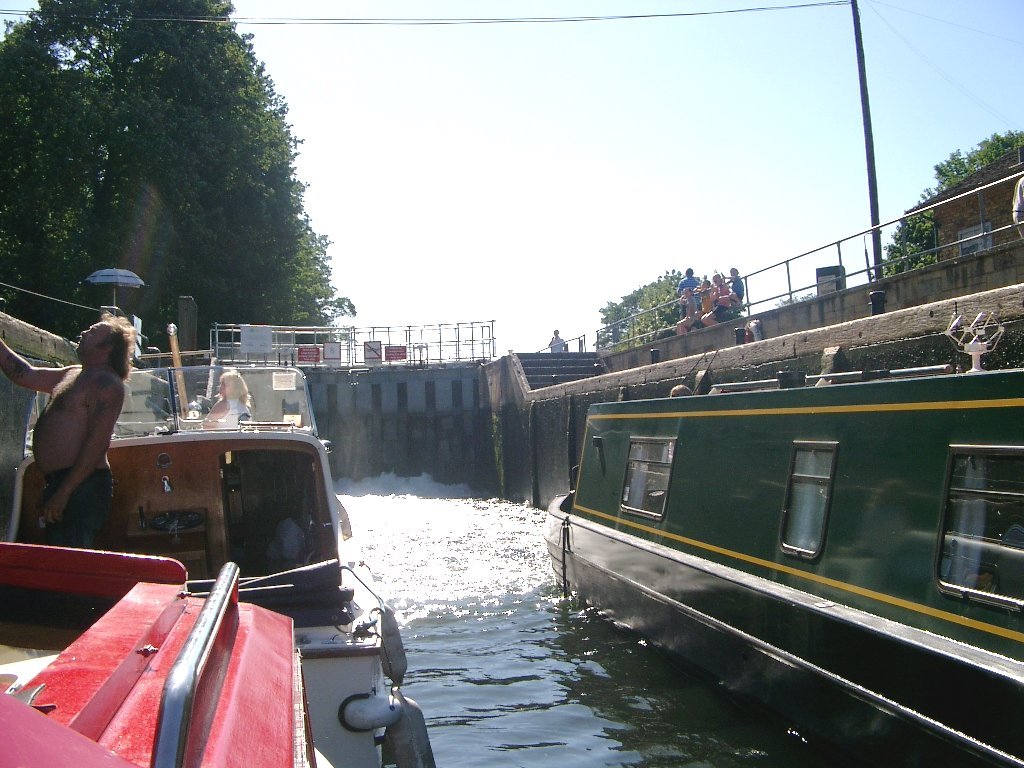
pixel 976 99
pixel 946 21
pixel 337 21
pixel 536 19
pixel 49 298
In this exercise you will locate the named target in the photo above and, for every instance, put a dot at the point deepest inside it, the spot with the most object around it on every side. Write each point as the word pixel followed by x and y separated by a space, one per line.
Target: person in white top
pixel 233 402
pixel 1018 206
pixel 558 344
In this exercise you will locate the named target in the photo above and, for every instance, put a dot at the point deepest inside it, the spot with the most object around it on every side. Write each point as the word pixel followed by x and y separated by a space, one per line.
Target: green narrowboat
pixel 849 554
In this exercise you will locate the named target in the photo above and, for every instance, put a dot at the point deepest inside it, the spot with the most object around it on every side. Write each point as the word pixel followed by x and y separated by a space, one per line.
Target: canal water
pixel 508 673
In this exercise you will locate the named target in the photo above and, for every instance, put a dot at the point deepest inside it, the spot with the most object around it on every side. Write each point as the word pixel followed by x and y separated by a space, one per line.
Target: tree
pixel 133 136
pixel 658 296
pixel 915 236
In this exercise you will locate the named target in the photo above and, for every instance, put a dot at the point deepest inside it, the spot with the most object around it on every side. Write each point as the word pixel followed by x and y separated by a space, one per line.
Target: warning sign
pixel 332 352
pixel 372 352
pixel 256 339
pixel 394 352
pixel 309 354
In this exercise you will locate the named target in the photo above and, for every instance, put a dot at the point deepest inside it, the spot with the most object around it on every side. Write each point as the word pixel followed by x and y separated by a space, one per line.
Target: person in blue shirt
pixel 691 282
pixel 736 284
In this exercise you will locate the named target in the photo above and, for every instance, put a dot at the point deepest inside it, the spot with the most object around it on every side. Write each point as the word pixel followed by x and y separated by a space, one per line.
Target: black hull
pixel 872 688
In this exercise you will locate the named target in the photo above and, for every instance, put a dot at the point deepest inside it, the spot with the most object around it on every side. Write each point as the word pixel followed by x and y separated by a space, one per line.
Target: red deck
pixel 105 688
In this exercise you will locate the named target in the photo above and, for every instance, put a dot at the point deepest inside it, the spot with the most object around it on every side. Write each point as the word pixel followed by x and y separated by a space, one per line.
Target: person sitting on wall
pixel 233 402
pixel 688 306
pixel 736 285
pixel 723 303
pixel 703 295
pixel 685 289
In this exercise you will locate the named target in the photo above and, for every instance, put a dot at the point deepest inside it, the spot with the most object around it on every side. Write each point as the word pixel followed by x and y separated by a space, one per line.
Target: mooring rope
pixel 565 551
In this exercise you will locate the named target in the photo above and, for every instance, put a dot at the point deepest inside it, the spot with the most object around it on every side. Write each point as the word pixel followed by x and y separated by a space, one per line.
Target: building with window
pixel 966 224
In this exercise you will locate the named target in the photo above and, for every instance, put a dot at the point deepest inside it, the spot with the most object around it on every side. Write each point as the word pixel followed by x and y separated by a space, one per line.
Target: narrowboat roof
pixel 957 391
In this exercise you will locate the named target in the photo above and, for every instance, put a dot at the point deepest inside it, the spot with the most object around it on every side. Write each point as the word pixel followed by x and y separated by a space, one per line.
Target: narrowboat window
pixel 983 529
pixel 807 498
pixel 647 474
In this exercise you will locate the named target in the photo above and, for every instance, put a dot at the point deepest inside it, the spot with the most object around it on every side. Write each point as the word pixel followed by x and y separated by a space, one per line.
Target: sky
pixel 530 173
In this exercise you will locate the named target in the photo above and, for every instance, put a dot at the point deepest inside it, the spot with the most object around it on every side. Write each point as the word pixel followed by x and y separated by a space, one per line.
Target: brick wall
pixel 992 205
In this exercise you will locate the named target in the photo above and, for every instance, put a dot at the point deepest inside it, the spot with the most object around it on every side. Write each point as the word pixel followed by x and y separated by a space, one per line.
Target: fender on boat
pixel 407 739
pixel 393 660
pixel 362 712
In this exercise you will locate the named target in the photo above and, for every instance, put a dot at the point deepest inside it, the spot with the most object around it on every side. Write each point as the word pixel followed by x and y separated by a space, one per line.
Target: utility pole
pixel 869 144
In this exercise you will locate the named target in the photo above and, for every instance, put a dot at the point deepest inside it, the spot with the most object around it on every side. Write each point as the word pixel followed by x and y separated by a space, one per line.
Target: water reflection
pixel 510 674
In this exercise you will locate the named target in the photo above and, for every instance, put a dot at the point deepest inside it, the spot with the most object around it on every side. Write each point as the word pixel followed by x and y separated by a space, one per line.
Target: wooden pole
pixel 179 376
pixel 869 144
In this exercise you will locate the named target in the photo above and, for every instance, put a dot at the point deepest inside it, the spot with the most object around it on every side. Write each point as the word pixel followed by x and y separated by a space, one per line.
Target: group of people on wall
pixel 703 303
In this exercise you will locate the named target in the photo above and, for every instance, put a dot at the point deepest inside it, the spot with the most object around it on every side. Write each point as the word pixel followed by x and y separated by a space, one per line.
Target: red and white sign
pixel 309 354
pixel 394 352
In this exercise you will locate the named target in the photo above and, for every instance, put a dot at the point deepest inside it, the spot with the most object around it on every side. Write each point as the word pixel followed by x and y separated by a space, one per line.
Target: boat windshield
pixel 171 399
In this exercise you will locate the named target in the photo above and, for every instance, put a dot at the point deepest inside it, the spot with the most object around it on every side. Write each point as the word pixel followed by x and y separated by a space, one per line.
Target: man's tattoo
pixel 14 366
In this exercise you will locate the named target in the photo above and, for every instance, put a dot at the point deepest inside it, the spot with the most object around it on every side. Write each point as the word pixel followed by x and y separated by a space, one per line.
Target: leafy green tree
pixel 134 136
pixel 911 244
pixel 659 297
pixel 915 235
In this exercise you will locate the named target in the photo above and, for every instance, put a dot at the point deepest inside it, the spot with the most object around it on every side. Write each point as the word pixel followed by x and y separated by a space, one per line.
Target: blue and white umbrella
pixel 115 277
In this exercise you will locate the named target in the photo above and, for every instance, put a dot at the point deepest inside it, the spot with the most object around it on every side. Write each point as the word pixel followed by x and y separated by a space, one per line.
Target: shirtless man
pixel 72 435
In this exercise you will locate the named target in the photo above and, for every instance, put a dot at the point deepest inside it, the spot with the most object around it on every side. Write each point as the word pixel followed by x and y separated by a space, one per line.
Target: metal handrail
pixel 872 272
pixel 178 698
pixel 581 344
pixel 419 345
pixel 615 330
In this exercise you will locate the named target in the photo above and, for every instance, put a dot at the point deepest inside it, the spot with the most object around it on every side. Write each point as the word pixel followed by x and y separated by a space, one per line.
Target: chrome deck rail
pixel 177 701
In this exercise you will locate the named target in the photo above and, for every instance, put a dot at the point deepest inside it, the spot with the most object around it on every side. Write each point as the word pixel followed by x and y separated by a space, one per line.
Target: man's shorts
pixel 85 512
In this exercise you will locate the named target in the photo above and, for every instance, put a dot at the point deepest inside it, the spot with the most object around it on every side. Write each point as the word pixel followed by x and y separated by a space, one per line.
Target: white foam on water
pixel 424 486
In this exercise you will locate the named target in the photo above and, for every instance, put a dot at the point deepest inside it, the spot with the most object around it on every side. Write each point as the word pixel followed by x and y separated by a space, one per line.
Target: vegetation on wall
pixel 627 318
pixel 134 136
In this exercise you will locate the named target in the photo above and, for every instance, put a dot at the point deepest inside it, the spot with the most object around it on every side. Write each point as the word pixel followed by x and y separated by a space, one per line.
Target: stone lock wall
pixel 406 421
pixel 545 427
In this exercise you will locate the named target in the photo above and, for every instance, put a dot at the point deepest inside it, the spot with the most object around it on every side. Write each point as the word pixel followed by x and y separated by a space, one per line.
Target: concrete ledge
pixel 29 341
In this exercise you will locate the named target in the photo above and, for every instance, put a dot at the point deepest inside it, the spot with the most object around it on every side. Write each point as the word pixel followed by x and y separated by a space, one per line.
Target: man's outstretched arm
pixel 24 374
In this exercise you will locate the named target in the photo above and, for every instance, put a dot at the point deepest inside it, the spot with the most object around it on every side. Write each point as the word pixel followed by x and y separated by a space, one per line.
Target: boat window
pixel 983 528
pixel 647 475
pixel 165 400
pixel 808 496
